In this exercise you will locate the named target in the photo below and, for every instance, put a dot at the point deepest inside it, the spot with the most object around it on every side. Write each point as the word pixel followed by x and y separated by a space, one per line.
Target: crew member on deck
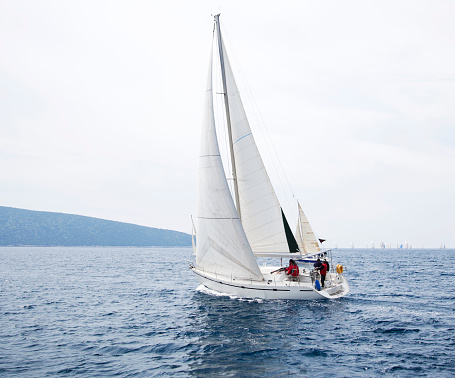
pixel 328 265
pixel 317 264
pixel 323 271
pixel 293 269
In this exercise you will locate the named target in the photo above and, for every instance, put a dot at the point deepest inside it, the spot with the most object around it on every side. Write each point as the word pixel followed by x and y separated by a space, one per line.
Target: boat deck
pixel 277 285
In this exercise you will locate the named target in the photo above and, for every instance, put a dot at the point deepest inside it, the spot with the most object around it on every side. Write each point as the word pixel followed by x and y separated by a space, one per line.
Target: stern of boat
pixel 336 286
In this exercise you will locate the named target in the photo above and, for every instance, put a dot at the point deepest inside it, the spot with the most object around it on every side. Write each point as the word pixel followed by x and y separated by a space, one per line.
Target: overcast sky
pixel 101 107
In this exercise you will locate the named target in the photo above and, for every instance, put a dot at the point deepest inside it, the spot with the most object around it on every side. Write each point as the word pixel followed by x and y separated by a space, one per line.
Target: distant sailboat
pixel 232 230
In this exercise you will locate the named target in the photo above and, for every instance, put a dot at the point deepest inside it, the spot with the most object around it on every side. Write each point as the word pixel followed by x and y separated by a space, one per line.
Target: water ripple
pixel 108 311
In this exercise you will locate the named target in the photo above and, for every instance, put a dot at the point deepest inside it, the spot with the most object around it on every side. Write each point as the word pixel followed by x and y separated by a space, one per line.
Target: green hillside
pixel 41 228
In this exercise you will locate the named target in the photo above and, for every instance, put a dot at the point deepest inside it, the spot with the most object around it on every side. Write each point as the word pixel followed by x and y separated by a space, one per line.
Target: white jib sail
pixel 308 243
pixel 259 206
pixel 222 246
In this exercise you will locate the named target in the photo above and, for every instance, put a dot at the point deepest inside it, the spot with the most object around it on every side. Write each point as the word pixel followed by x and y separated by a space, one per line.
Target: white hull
pixel 275 286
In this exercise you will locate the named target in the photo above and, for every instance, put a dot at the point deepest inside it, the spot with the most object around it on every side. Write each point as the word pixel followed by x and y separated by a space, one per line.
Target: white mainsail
pixel 222 246
pixel 260 210
pixel 308 243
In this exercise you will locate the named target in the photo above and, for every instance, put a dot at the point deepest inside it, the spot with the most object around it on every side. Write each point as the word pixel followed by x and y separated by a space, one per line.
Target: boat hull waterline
pixel 278 287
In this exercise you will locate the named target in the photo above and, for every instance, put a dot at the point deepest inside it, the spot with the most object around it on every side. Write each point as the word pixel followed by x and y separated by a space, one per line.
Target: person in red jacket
pixel 293 269
pixel 323 271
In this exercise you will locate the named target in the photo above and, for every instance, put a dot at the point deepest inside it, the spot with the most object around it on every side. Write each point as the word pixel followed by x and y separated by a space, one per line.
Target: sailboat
pixel 233 231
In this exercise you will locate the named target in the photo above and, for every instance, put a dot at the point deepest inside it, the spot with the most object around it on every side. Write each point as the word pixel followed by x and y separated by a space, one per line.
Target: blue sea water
pixel 137 312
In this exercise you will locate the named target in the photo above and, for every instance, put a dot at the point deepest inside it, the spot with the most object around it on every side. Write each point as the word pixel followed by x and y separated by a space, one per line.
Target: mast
pixel 228 115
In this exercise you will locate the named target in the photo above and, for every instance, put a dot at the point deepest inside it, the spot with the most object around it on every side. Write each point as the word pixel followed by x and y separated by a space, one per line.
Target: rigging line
pixel 262 126
pixel 281 171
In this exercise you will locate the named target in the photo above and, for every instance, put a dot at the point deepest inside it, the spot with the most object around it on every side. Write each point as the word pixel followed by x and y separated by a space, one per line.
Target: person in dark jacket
pixel 317 264
pixel 328 265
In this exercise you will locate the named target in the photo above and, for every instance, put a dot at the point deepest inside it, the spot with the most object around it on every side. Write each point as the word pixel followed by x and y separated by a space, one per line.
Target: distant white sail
pixel 222 246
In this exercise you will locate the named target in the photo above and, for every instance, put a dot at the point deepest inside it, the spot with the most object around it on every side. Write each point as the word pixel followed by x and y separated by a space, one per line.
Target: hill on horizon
pixel 20 227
